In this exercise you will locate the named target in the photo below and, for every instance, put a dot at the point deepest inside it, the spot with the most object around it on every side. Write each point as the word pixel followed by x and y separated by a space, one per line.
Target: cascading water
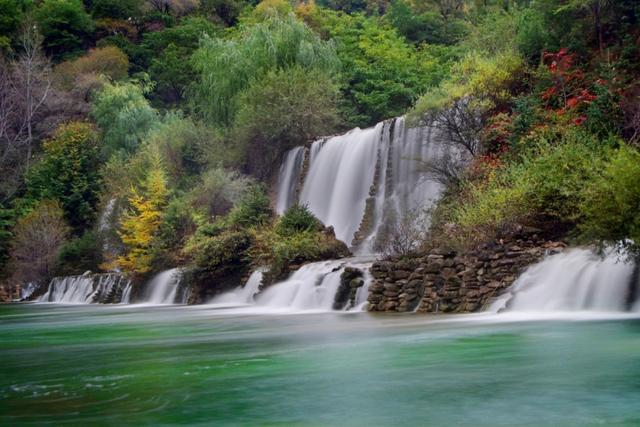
pixel 165 288
pixel 575 280
pixel 242 295
pixel 365 179
pixel 312 288
pixel 362 183
pixel 90 288
pixel 288 178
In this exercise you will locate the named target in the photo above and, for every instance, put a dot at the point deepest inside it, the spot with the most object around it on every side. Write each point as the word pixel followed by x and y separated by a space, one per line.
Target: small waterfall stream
pixel 312 288
pixel 577 280
pixel 164 288
pixel 90 288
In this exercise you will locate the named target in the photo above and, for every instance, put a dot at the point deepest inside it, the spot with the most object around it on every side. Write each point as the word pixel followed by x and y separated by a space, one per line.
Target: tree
pixel 170 51
pixel 68 172
pixel 610 202
pixel 123 115
pixel 595 9
pixel 65 25
pixel 286 108
pixel 82 75
pixel 225 68
pixel 116 9
pixel 26 98
pixel 37 238
pixel 141 223
pixel 382 75
pixel 175 7
pixel 11 16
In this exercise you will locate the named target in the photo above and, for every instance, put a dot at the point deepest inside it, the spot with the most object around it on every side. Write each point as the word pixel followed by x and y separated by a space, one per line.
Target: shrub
pixel 221 252
pixel 279 251
pixel 219 191
pixel 108 61
pixel 37 239
pixel 408 235
pixel 65 26
pixel 68 172
pixel 545 184
pixel 178 225
pixel 611 201
pixel 253 210
pixel 283 109
pixel 124 116
pixel 296 219
pixel 79 255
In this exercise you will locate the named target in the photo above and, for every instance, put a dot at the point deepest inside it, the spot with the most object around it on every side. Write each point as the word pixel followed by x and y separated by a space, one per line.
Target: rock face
pixel 442 281
pixel 350 280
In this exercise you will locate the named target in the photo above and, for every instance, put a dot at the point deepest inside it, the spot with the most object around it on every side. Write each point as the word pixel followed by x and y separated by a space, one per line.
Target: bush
pixel 546 184
pixel 611 202
pixel 124 116
pixel 178 225
pixel 253 210
pixel 65 26
pixel 296 219
pixel 37 239
pixel 283 109
pixel 79 255
pixel 219 191
pixel 68 172
pixel 222 252
pixel 108 61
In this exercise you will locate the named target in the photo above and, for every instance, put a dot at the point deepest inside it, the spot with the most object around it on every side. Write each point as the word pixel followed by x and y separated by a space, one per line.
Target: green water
pixel 94 365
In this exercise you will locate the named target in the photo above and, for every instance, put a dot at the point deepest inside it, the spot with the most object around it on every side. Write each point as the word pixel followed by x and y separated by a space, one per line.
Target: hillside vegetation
pixel 141 134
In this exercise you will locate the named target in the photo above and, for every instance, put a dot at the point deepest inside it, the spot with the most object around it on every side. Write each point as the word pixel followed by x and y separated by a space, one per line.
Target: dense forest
pixel 141 134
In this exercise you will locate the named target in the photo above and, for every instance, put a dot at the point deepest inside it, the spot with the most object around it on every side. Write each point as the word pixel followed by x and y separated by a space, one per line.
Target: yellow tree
pixel 140 224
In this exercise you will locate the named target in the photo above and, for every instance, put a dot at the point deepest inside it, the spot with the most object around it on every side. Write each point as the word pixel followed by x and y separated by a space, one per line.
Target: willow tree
pixel 227 67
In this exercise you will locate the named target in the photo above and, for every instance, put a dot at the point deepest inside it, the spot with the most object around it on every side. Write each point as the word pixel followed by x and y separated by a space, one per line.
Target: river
pixel 172 365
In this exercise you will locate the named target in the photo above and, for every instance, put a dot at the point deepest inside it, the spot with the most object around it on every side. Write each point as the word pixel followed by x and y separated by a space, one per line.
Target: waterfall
pixel 88 288
pixel 288 178
pixel 242 295
pixel 165 288
pixel 571 281
pixel 312 288
pixel 364 181
pixel 28 289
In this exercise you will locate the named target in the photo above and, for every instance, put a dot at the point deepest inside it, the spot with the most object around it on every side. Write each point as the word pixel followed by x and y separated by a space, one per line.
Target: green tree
pixel 68 172
pixel 225 68
pixel 611 202
pixel 169 52
pixel 285 108
pixel 65 26
pixel 382 74
pixel 124 116
pixel 116 9
pixel 11 16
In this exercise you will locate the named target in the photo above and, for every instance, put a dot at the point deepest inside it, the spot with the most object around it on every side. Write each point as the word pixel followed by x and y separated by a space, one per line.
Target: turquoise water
pixel 100 365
